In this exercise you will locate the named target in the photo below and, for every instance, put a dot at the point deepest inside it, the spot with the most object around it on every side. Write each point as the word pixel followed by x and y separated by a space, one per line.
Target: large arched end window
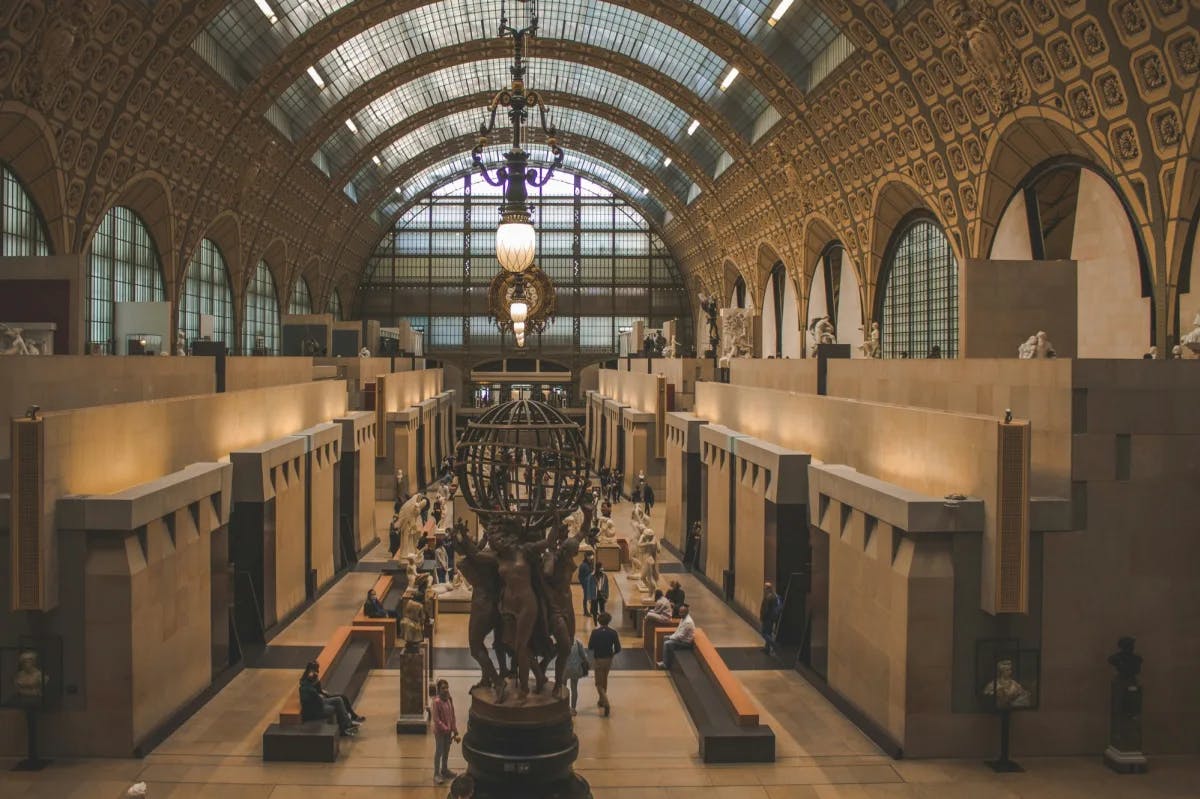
pixel 919 292
pixel 123 266
pixel 206 293
pixel 301 301
pixel 334 306
pixel 834 292
pixel 22 231
pixel 260 334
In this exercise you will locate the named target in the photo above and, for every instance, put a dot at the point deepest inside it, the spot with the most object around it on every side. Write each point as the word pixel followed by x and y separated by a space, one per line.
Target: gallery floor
pixel 647 748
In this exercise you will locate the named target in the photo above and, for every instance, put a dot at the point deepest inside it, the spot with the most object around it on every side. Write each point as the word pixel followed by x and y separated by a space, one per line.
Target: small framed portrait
pixel 1008 675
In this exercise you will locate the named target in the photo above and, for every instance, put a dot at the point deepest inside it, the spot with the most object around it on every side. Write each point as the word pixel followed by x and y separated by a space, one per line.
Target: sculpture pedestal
pixel 413 693
pixel 522 751
pixel 1124 752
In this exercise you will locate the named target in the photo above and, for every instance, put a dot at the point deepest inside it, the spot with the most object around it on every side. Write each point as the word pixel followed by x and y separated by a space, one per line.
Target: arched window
pixel 301 302
pixel 335 305
pixel 206 293
pixel 920 293
pixel 123 266
pixel 774 310
pixel 262 314
pixel 738 300
pixel 22 231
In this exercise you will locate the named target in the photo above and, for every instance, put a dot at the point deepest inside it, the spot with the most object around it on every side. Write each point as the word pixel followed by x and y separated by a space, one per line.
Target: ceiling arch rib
pixel 654 45
pixel 585 156
pixel 259 42
pixel 555 79
pixel 570 122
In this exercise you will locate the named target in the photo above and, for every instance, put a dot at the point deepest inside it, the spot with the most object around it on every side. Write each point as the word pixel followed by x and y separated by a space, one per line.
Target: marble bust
pixel 29 680
pixel 1007 691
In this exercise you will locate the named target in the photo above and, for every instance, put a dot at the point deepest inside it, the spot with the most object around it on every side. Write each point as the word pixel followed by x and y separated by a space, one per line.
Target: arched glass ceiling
pixel 569 120
pixel 565 77
pixel 418 185
pixel 450 23
pixel 255 40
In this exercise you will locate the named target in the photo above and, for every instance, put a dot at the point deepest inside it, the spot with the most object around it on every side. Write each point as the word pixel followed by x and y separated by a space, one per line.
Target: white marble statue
pixel 364 353
pixel 410 522
pixel 608 530
pixel 870 346
pixel 823 332
pixel 648 561
pixel 637 519
pixel 735 334
pixel 181 343
pixel 1176 352
pixel 672 348
pixel 1036 346
pixel 13 341
pixel 1192 339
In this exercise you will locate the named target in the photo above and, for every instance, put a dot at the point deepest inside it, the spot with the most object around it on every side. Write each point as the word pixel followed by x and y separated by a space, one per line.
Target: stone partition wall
pixel 268 526
pixel 682 491
pixel 716 453
pixel 400 453
pixel 1002 303
pixel 781 374
pixel 612 433
pixel 429 437
pixel 641 454
pixel 359 430
pixel 322 513
pixel 244 372
pixel 142 614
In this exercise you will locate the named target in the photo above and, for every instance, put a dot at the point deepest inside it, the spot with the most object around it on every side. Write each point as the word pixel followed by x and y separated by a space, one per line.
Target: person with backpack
pixel 768 616
pixel 576 668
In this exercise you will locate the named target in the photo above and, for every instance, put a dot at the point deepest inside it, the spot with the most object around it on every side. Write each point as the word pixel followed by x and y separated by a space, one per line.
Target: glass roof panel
pixel 453 22
pixel 565 77
pixel 568 120
pixel 575 163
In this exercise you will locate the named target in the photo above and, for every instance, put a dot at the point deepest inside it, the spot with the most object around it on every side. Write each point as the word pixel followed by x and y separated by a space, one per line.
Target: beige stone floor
pixel 647 748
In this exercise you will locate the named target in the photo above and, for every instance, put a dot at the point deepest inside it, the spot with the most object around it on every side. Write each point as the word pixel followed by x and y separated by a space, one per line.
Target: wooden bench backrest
pixel 744 709
pixel 290 714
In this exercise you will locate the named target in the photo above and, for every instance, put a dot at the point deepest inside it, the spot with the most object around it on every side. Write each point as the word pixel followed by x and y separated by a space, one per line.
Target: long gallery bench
pixel 725 716
pixel 392 600
pixel 345 661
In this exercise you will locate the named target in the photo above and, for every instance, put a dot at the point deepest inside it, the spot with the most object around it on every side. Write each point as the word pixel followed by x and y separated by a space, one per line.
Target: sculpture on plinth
pixel 1124 752
pixel 823 332
pixel 708 304
pixel 870 346
pixel 411 522
pixel 29 681
pixel 412 622
pixel 522 467
pixel 648 555
pixel 13 341
pixel 735 334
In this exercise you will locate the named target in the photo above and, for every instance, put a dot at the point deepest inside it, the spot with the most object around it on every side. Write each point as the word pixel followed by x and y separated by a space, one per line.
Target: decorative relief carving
pixel 990 57
pixel 1125 143
pixel 1082 103
pixel 1167 128
pixel 1186 54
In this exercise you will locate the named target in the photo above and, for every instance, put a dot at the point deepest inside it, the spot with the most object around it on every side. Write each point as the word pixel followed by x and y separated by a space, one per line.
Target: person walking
pixel 600 578
pixel 575 669
pixel 768 616
pixel 604 645
pixel 587 581
pixel 445 732
pixel 683 637
pixel 648 498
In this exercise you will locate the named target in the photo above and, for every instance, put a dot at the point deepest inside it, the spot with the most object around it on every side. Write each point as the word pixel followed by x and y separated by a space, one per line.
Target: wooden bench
pixel 345 661
pixel 725 716
pixel 391 600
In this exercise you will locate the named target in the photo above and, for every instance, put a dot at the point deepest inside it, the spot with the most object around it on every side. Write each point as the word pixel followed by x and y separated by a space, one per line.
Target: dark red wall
pixel 39 301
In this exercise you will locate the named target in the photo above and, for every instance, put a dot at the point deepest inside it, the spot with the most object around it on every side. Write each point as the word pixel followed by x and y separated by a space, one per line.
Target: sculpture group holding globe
pixel 523 469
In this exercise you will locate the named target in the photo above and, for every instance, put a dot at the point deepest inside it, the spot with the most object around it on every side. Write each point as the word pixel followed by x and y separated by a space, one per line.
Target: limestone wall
pixel 246 372
pixel 784 375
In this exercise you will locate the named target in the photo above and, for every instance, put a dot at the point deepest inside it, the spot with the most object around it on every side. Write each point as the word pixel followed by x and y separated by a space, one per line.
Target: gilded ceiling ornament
pixel 990 57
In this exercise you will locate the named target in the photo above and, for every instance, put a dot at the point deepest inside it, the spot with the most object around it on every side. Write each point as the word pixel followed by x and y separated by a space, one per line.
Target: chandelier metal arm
pixel 531 177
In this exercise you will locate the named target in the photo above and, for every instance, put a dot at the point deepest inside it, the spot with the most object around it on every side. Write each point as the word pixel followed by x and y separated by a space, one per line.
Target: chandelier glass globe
pixel 516 244
pixel 518 311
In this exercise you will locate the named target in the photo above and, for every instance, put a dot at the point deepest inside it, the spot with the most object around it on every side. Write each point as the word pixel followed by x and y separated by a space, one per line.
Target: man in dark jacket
pixel 648 497
pixel 768 616
pixel 374 609
pixel 604 645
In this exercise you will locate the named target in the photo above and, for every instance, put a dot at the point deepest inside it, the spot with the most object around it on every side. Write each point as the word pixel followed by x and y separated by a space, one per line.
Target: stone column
pixel 359 430
pixel 717 448
pixel 681 495
pixel 637 428
pixel 322 514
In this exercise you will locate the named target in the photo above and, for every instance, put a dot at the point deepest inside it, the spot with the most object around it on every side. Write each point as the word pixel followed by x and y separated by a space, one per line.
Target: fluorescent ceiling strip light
pixel 779 11
pixel 375 158
pixel 399 190
pixel 667 161
pixel 729 78
pixel 316 77
pixel 350 124
pixel 266 10
pixel 692 128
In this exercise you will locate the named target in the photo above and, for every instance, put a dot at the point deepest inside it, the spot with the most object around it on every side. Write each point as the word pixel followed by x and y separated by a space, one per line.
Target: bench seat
pixel 391 600
pixel 308 742
pixel 344 663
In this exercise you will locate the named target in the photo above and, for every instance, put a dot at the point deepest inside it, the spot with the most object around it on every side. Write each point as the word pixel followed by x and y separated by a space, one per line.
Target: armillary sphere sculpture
pixel 522 467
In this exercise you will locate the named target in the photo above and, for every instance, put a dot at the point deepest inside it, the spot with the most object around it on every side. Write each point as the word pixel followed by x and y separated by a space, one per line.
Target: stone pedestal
pixel 1124 752
pixel 522 751
pixel 609 556
pixel 413 693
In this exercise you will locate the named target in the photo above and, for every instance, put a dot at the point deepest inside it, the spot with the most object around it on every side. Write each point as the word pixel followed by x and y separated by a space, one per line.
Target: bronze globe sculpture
pixel 522 467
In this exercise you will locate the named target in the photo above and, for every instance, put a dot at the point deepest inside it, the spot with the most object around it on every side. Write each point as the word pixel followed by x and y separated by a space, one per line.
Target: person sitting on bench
pixel 662 611
pixel 374 609
pixel 316 705
pixel 683 637
pixel 675 594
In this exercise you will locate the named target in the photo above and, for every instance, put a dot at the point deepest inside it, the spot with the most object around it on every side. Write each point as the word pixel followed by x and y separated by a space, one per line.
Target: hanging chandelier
pixel 516 239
